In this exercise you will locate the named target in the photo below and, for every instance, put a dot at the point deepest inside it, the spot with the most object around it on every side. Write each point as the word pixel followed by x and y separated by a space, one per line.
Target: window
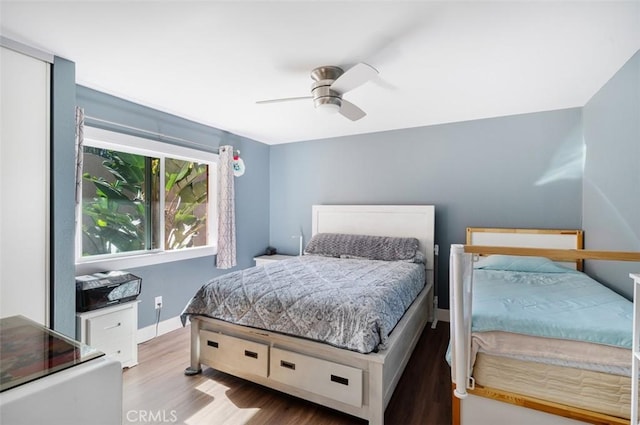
pixel 185 203
pixel 142 198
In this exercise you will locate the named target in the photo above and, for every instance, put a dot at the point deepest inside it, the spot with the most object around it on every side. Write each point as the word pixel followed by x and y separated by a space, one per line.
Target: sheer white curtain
pixel 226 257
pixel 79 147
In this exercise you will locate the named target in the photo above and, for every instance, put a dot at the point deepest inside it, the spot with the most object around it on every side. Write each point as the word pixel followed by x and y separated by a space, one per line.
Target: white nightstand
pixel 266 259
pixel 111 330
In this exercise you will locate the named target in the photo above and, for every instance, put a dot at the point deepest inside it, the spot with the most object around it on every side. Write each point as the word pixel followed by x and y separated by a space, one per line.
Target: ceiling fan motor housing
pixel 323 96
pixel 330 84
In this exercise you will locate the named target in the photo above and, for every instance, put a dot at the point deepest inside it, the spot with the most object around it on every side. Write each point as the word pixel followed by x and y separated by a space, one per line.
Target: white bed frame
pixel 351 382
pixel 472 405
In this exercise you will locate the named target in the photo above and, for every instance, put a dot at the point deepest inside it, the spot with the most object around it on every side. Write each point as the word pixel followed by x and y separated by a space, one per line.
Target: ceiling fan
pixel 330 83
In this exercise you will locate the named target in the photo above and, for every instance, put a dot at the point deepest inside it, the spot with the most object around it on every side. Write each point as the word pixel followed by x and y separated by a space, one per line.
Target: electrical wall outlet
pixel 158 302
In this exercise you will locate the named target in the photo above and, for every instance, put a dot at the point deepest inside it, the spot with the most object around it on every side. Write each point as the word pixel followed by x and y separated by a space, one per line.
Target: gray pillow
pixel 385 248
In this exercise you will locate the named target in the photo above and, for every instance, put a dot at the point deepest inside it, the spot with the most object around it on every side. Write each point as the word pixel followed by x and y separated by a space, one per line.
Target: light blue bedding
pixel 566 305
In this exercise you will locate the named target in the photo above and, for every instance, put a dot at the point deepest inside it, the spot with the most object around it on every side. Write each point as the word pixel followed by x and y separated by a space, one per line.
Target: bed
pixel 544 343
pixel 324 363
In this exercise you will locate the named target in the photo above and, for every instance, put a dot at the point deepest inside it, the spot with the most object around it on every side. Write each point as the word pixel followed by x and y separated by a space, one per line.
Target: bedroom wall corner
pixel 611 184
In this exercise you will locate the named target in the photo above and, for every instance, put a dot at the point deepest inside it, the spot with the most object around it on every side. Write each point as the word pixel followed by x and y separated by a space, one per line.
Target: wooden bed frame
pixel 351 382
pixel 476 402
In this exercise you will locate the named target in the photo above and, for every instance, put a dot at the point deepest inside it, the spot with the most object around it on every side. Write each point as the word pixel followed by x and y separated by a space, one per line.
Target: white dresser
pixel 111 330
pixel 51 379
pixel 90 393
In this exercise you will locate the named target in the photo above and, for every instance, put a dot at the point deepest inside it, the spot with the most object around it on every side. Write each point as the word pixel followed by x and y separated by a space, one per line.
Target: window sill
pixel 142 260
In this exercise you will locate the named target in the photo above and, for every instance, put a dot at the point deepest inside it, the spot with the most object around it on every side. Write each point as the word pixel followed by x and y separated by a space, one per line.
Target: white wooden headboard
pixel 528 238
pixel 416 221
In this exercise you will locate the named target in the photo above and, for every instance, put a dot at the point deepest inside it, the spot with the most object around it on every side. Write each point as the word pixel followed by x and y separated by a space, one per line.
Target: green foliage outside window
pixel 114 216
pixel 186 202
pixel 121 206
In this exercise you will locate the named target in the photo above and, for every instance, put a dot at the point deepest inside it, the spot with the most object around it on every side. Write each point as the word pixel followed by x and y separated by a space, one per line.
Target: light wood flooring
pixel 156 390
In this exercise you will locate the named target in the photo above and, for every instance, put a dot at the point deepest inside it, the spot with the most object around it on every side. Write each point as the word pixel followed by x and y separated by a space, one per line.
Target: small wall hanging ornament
pixel 238 165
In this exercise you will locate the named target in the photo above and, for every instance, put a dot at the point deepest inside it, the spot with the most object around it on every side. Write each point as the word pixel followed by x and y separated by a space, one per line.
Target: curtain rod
pixel 152 133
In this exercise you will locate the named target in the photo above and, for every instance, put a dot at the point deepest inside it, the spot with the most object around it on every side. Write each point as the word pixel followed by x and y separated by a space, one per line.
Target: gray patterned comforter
pixel 348 303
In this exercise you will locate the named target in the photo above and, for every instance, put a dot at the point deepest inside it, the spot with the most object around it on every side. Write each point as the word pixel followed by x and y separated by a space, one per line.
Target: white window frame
pixel 105 139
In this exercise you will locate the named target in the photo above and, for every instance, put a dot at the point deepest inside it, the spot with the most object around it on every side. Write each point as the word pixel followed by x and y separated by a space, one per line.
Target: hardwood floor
pixel 157 392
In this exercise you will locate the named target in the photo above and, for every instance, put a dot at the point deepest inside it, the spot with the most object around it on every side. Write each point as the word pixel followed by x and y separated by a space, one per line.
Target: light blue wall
pixel 177 281
pixel 516 171
pixel 62 268
pixel 611 193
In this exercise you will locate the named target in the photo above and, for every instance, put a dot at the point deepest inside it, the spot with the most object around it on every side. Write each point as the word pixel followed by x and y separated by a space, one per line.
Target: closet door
pixel 24 186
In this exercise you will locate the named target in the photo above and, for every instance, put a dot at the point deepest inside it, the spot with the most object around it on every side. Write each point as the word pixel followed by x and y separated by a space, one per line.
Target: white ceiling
pixel 439 62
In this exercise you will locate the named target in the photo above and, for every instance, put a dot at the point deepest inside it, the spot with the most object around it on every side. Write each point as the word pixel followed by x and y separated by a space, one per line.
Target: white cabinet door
pixel 24 186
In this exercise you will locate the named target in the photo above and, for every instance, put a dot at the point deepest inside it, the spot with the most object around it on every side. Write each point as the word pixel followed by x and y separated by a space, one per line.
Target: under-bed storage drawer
pixel 226 353
pixel 333 380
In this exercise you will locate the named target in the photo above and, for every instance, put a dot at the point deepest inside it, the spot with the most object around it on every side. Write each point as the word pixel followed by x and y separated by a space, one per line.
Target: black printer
pixel 103 289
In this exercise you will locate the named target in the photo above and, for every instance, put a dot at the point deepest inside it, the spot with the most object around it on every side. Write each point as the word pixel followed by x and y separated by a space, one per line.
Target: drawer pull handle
pixel 212 344
pixel 287 365
pixel 114 326
pixel 251 354
pixel 339 380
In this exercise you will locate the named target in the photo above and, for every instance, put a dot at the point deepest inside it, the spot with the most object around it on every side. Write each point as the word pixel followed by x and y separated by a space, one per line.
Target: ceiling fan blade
pixel 285 99
pixel 351 111
pixel 354 77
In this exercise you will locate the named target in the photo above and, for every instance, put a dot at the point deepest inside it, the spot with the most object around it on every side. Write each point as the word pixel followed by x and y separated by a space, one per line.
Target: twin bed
pixel 336 326
pixel 533 339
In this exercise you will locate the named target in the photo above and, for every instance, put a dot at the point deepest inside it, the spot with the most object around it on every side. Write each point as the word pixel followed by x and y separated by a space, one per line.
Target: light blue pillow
pixel 518 263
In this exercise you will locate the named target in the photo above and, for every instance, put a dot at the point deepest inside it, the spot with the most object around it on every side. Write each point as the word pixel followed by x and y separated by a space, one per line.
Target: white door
pixel 24 186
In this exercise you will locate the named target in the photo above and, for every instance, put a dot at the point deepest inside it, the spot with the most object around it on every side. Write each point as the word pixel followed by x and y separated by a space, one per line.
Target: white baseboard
pixel 166 326
pixel 442 315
